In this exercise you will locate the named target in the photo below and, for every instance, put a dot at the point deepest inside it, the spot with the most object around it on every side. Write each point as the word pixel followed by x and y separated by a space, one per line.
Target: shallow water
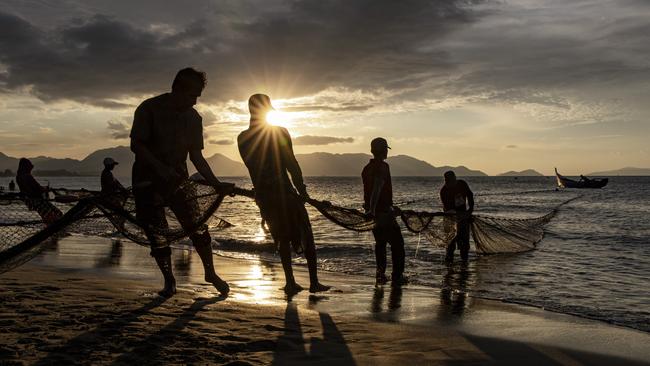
pixel 594 260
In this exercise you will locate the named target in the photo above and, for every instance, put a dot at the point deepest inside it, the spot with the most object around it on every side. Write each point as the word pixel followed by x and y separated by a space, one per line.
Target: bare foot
pixel 318 287
pixel 292 288
pixel 218 283
pixel 169 290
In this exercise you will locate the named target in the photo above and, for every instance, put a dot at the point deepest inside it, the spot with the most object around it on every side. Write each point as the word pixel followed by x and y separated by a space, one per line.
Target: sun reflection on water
pixel 256 287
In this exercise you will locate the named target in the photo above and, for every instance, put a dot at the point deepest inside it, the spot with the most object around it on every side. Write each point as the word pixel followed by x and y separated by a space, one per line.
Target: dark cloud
pixel 416 49
pixel 321 140
pixel 298 48
pixel 221 142
pixel 119 130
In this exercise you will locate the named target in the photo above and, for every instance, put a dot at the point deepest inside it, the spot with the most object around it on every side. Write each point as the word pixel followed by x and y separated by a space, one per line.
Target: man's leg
pixel 187 213
pixel 463 240
pixel 451 248
pixel 163 259
pixel 203 245
pixel 153 218
pixel 398 254
pixel 305 239
pixel 291 287
pixel 380 255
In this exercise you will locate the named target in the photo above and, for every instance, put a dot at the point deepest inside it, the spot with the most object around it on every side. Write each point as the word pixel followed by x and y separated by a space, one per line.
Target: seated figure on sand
pixel 457 198
pixel 378 202
pixel 109 183
pixel 267 152
pixel 34 194
pixel 167 128
pixel 113 192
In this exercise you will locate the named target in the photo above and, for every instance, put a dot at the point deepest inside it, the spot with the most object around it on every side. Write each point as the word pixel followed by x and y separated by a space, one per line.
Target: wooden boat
pixel 584 182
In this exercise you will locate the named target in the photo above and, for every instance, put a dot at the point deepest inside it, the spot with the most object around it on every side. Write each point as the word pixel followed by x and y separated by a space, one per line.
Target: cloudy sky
pixel 492 85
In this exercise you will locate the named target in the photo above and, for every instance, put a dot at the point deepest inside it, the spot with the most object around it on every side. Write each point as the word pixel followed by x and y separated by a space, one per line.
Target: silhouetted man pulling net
pixel 457 199
pixel 165 130
pixel 378 203
pixel 268 154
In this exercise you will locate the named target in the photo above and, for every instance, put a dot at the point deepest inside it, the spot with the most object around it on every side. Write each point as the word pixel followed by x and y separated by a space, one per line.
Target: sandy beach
pixel 93 301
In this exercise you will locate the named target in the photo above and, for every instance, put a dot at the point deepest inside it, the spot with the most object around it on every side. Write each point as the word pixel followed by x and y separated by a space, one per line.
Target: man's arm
pixel 377 185
pixel 470 199
pixel 202 166
pixel 292 165
pixel 143 154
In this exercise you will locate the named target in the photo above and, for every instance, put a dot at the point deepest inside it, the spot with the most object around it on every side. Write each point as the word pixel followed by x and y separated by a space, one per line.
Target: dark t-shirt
pixel 455 198
pixel 266 150
pixel 377 169
pixel 167 133
pixel 109 183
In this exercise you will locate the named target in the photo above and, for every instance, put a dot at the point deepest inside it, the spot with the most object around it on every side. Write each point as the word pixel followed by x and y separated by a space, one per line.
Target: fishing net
pixel 491 234
pixel 24 234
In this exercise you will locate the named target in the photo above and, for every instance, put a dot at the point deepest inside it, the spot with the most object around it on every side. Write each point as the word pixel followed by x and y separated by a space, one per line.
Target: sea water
pixel 594 260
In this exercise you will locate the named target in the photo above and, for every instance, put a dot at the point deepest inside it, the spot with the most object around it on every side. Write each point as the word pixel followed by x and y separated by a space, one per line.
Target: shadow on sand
pixel 82 346
pixel 290 349
pixel 506 352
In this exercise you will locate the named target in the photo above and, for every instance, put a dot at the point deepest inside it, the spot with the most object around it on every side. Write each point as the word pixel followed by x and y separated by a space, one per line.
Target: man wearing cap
pixel 378 203
pixel 166 129
pixel 267 152
pixel 458 199
pixel 109 183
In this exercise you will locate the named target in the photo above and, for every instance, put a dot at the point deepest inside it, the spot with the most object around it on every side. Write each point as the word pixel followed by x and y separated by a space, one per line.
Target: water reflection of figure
pixel 394 303
pixel 113 258
pixel 183 262
pixel 453 292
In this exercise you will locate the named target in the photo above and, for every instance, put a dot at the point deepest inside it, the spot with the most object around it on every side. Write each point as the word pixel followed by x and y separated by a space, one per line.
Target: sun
pixel 280 118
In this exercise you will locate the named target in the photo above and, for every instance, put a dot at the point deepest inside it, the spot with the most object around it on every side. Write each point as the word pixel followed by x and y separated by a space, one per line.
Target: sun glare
pixel 279 118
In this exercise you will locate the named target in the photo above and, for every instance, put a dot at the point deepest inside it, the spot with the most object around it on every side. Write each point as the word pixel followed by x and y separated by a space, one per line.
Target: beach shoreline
pixel 84 302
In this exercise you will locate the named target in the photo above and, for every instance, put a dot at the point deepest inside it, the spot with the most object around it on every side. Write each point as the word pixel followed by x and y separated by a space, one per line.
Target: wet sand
pixel 93 301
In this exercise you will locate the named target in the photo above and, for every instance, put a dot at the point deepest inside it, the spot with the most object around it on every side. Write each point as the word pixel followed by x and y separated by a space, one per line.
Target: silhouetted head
pixel 259 105
pixel 187 87
pixel 450 178
pixel 25 166
pixel 379 148
pixel 109 163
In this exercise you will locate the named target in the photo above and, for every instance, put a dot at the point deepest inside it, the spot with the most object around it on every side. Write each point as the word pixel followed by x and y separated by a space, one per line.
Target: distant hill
pixel 351 164
pixel 523 173
pixel 314 164
pixel 628 171
pixel 222 166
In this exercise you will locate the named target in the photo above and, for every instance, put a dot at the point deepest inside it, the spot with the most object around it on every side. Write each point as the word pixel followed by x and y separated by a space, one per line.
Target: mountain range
pixel 314 164
pixel 523 173
pixel 628 171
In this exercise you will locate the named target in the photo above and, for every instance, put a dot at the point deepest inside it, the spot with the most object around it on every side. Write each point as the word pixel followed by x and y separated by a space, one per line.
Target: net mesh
pixel 23 233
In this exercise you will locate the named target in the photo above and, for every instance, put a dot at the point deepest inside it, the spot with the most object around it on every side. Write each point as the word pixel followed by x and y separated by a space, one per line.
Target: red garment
pixel 377 169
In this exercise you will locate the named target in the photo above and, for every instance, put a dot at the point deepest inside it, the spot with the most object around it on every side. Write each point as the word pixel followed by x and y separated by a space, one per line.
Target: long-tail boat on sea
pixel 584 182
